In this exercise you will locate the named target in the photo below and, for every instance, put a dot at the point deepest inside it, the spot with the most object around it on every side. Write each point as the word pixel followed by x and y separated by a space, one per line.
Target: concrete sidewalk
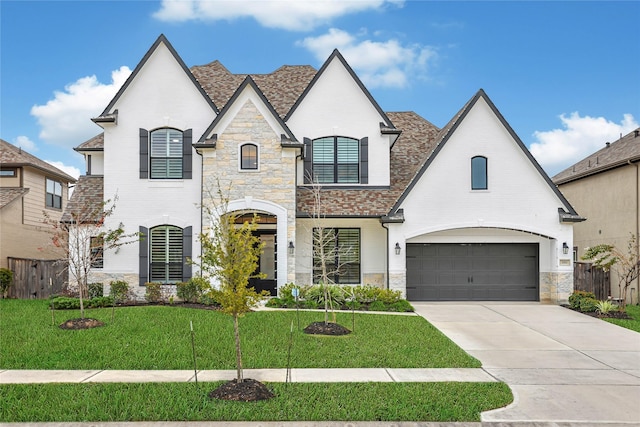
pixel 264 375
pixel 562 366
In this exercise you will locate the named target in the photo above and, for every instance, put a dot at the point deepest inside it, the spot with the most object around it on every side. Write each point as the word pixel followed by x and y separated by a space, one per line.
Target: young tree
pixel 626 265
pixel 82 239
pixel 230 253
pixel 330 257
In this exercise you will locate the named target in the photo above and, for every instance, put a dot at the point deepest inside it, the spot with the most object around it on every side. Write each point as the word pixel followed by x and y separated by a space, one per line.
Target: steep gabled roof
pixel 282 87
pixel 86 200
pixel 409 152
pixel 107 113
pixel 248 81
pixel 612 155
pixel 450 128
pixel 336 54
pixel 12 156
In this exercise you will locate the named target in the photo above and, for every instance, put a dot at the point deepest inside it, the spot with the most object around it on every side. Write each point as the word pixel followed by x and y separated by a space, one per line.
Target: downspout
pixel 637 225
pixel 387 249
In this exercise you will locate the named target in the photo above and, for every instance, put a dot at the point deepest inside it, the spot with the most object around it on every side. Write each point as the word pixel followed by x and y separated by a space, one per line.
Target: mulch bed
pixel 322 328
pixel 615 314
pixel 248 390
pixel 86 323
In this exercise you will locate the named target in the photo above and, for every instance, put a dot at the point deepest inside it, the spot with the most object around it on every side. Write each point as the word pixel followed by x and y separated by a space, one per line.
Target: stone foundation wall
pixel 555 287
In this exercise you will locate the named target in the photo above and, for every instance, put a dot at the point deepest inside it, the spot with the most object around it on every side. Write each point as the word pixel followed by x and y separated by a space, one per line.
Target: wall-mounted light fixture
pixel 398 248
pixel 291 248
pixel 565 248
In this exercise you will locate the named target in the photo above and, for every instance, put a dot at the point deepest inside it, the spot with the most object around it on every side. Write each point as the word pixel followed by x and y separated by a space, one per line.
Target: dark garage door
pixel 472 272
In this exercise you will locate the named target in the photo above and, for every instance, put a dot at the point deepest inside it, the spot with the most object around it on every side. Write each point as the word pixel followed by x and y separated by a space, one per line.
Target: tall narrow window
pixel 249 157
pixel 97 249
pixel 336 159
pixel 165 250
pixel 53 197
pixel 340 249
pixel 479 173
pixel 166 154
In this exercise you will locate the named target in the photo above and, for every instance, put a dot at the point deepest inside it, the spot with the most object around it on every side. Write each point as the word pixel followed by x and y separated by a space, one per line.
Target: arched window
pixel 166 154
pixel 479 180
pixel 336 159
pixel 249 157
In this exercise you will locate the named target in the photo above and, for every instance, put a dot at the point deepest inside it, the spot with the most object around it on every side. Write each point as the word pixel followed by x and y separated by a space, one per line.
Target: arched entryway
pixel 268 261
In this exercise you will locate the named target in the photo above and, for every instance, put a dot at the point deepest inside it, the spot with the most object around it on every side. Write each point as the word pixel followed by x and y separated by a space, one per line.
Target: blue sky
pixel 563 74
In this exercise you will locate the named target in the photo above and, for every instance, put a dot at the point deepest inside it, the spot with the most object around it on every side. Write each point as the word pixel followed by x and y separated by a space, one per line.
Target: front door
pixel 266 263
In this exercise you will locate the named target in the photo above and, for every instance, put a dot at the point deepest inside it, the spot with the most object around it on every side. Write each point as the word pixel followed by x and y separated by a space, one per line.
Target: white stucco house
pixel 459 213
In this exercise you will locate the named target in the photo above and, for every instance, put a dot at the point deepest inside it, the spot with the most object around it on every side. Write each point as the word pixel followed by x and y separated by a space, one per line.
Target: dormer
pixel 93 152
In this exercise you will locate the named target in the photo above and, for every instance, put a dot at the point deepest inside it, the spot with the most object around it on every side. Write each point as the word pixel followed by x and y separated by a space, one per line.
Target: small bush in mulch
pixel 248 390
pixel 329 328
pixel 86 323
pixel 616 314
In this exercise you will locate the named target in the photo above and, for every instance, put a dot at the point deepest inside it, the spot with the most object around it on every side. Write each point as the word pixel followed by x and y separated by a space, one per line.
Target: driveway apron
pixel 562 366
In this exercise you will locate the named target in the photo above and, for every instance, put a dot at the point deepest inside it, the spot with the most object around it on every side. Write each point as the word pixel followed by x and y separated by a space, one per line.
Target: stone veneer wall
pixel 555 287
pixel 274 181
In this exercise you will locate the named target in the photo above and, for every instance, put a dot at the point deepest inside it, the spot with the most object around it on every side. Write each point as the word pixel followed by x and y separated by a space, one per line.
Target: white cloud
pixel 25 143
pixel 299 15
pixel 557 149
pixel 378 63
pixel 71 170
pixel 65 120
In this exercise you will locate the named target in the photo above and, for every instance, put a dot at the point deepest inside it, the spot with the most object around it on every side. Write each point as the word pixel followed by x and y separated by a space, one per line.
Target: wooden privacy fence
pixel 588 278
pixel 31 277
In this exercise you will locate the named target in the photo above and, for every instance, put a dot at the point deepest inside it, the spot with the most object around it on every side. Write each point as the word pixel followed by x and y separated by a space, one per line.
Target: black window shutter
pixel 144 154
pixel 186 154
pixel 308 165
pixel 187 238
pixel 143 269
pixel 364 160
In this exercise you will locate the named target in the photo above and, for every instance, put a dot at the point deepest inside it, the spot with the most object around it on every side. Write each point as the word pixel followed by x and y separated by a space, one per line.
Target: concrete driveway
pixel 562 366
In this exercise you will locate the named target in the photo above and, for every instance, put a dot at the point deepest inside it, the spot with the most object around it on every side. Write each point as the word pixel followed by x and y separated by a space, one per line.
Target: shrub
pixel 401 306
pixel 310 304
pixel 95 290
pixel 605 307
pixel 6 277
pixel 274 302
pixel 378 306
pixel 193 290
pixel 577 296
pixel 365 294
pixel 353 305
pixel 65 303
pixel 119 291
pixel 96 302
pixel 335 293
pixel 153 292
pixel 588 305
pixel 388 296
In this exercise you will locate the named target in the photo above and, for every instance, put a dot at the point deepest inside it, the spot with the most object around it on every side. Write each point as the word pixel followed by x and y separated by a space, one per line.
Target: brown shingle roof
pixel 282 87
pixel 10 155
pixel 9 194
pixel 409 152
pixel 86 200
pixel 611 156
pixel 94 144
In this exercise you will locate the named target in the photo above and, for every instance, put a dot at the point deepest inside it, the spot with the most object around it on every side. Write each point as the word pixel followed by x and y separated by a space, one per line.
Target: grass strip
pixel 158 337
pixel 443 402
pixel 634 323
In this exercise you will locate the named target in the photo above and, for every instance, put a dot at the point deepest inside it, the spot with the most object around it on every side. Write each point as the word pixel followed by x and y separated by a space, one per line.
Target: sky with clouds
pixel 563 74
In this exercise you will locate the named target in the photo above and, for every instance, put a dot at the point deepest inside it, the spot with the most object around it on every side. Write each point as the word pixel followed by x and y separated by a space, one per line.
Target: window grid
pixel 165 248
pixel 342 251
pixel 249 157
pixel 53 197
pixel 336 160
pixel 166 154
pixel 97 251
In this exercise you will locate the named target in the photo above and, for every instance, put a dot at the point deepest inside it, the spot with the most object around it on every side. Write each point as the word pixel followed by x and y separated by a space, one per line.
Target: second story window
pixel 336 160
pixel 166 154
pixel 479 173
pixel 53 197
pixel 249 157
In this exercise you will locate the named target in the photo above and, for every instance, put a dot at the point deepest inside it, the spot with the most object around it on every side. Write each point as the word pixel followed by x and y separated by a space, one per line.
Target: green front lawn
pixel 634 323
pixel 158 337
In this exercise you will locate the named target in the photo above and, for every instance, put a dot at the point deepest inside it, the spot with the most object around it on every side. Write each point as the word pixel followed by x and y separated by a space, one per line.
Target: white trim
pixel 250 203
pixel 165 220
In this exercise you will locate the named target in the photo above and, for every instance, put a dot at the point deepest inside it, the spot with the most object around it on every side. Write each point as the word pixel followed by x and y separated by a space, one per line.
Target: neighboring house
pixel 28 188
pixel 604 187
pixel 458 213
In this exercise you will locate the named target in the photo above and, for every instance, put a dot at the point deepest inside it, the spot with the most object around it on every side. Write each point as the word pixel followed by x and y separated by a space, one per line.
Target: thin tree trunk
pixel 236 332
